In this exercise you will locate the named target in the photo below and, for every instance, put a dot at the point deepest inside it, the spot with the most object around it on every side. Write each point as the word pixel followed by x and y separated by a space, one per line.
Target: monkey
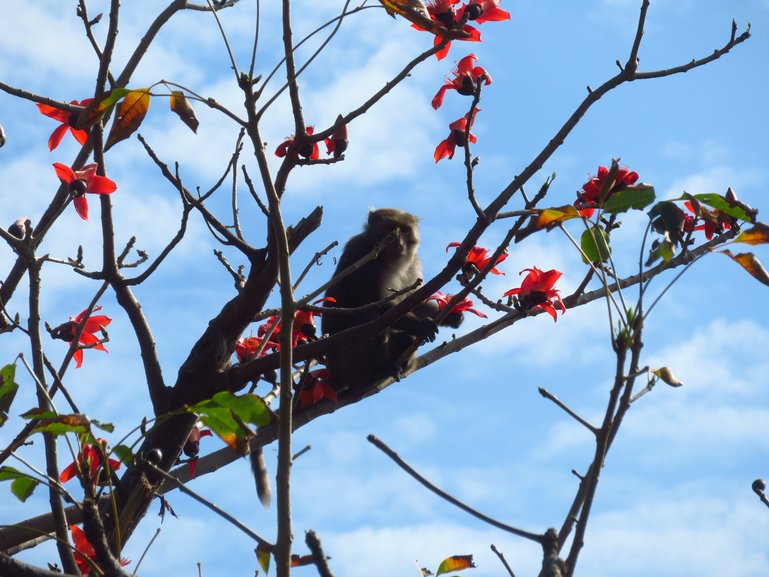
pixel 396 267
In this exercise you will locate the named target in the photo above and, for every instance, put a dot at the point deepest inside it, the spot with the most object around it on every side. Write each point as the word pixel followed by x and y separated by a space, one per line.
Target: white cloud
pixel 675 534
pixel 396 549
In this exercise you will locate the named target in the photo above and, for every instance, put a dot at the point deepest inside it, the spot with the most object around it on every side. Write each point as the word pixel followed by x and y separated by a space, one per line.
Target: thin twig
pixel 550 396
pixel 406 467
pixel 223 514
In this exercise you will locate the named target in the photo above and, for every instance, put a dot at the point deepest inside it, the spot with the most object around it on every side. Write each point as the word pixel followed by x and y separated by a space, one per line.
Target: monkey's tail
pixel 259 469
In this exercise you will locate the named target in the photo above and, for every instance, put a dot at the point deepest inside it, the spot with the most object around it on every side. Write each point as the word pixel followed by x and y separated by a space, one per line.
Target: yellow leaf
pixel 455 563
pixel 263 556
pixel 758 234
pixel 556 215
pixel 130 114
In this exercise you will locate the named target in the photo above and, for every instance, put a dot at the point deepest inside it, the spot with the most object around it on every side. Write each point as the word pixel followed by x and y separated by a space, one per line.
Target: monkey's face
pixel 404 246
pixel 403 225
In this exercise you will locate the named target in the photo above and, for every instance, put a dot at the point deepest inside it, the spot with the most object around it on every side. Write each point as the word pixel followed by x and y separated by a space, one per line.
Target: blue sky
pixel 675 497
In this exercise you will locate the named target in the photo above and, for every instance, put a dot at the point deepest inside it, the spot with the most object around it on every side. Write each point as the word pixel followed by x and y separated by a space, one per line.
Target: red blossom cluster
pixel 304 331
pixel 85 180
pixel 596 190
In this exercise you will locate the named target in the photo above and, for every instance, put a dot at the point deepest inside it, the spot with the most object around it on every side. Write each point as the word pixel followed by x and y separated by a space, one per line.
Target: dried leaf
pixel 301 560
pixel 182 107
pixel 667 376
pixel 750 263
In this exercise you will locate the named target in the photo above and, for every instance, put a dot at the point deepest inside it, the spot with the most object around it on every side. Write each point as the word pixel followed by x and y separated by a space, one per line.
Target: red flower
pixel 337 142
pixel 465 81
pixel 477 259
pixel 89 460
pixel 591 190
pixel 68 121
pixel 473 35
pixel 84 550
pixel 311 151
pixel 88 337
pixel 484 11
pixel 316 388
pixel 83 181
pixel 246 347
pixel 455 138
pixel 192 446
pixel 714 221
pixel 444 13
pixel 537 291
pixel 465 305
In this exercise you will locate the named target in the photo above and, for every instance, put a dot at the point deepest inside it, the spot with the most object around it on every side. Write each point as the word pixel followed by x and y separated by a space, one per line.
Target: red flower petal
pixel 68 472
pixel 78 356
pixel 282 148
pixel 80 135
pixel 438 98
pixel 81 206
pixel 444 149
pixel 64 172
pixel 55 139
pixel 101 185
pixel 55 113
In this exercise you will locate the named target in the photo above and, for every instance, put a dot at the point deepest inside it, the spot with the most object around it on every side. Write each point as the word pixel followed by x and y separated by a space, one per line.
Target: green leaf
pixel 226 413
pixel 108 427
pixel 38 414
pixel 8 388
pixel 22 485
pixel 633 197
pixel 124 454
pixel 595 245
pixel 733 208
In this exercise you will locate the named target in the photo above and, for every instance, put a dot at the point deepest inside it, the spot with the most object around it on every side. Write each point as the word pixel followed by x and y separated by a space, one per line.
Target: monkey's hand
pixel 453 320
pixel 425 329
